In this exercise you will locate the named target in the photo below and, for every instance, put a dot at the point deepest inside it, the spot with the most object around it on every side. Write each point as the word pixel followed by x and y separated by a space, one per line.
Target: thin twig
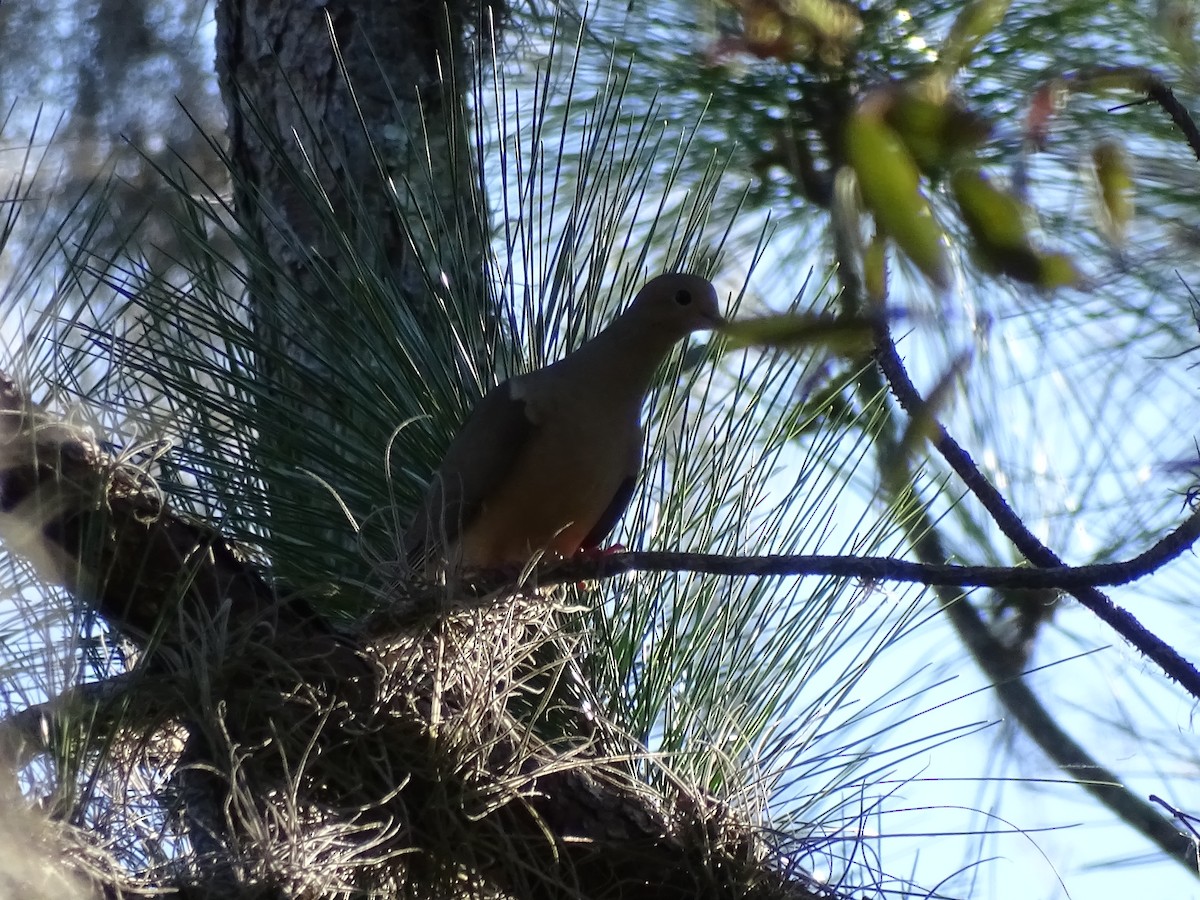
pixel 884 568
pixel 1151 645
pixel 1003 670
pixel 1155 89
pixel 1161 94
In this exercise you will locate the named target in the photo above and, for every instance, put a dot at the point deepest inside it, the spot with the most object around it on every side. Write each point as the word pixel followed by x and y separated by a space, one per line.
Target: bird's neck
pixel 628 354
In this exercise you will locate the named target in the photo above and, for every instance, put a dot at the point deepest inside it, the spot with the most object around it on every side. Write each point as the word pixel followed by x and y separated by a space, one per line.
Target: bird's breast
pixel 560 485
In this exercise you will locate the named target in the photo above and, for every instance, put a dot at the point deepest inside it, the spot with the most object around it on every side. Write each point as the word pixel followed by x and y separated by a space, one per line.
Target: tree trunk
pixel 349 145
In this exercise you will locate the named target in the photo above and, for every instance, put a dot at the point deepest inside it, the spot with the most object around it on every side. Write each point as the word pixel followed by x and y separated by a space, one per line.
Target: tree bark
pixel 354 178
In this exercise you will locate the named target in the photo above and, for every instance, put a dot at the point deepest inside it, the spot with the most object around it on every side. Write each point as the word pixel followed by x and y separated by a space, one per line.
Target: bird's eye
pixel 683 297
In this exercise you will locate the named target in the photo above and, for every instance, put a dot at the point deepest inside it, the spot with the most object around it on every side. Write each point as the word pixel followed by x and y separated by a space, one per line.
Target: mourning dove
pixel 548 461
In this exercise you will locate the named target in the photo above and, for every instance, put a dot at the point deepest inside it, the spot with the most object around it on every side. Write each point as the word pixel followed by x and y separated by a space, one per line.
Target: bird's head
pixel 677 304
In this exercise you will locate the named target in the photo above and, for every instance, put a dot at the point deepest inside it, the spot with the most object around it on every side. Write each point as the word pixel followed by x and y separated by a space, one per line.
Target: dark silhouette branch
pixel 423 599
pixel 1140 79
pixel 997 661
pixel 1149 644
pixel 884 568
pixel 1189 821
pixel 1158 91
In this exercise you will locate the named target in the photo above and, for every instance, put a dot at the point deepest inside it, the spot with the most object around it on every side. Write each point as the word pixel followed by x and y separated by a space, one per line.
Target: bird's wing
pixel 477 460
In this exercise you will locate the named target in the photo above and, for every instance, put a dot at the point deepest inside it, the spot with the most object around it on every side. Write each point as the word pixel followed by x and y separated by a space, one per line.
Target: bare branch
pixel 884 568
pixel 995 659
pixel 1149 83
pixel 1171 662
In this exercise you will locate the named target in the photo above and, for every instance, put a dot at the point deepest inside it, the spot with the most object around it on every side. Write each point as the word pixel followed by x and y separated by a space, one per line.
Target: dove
pixel 548 461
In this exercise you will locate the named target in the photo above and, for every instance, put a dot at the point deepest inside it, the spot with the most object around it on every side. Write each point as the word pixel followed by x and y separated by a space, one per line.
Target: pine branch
pixel 1140 79
pixel 283 715
pixel 101 529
